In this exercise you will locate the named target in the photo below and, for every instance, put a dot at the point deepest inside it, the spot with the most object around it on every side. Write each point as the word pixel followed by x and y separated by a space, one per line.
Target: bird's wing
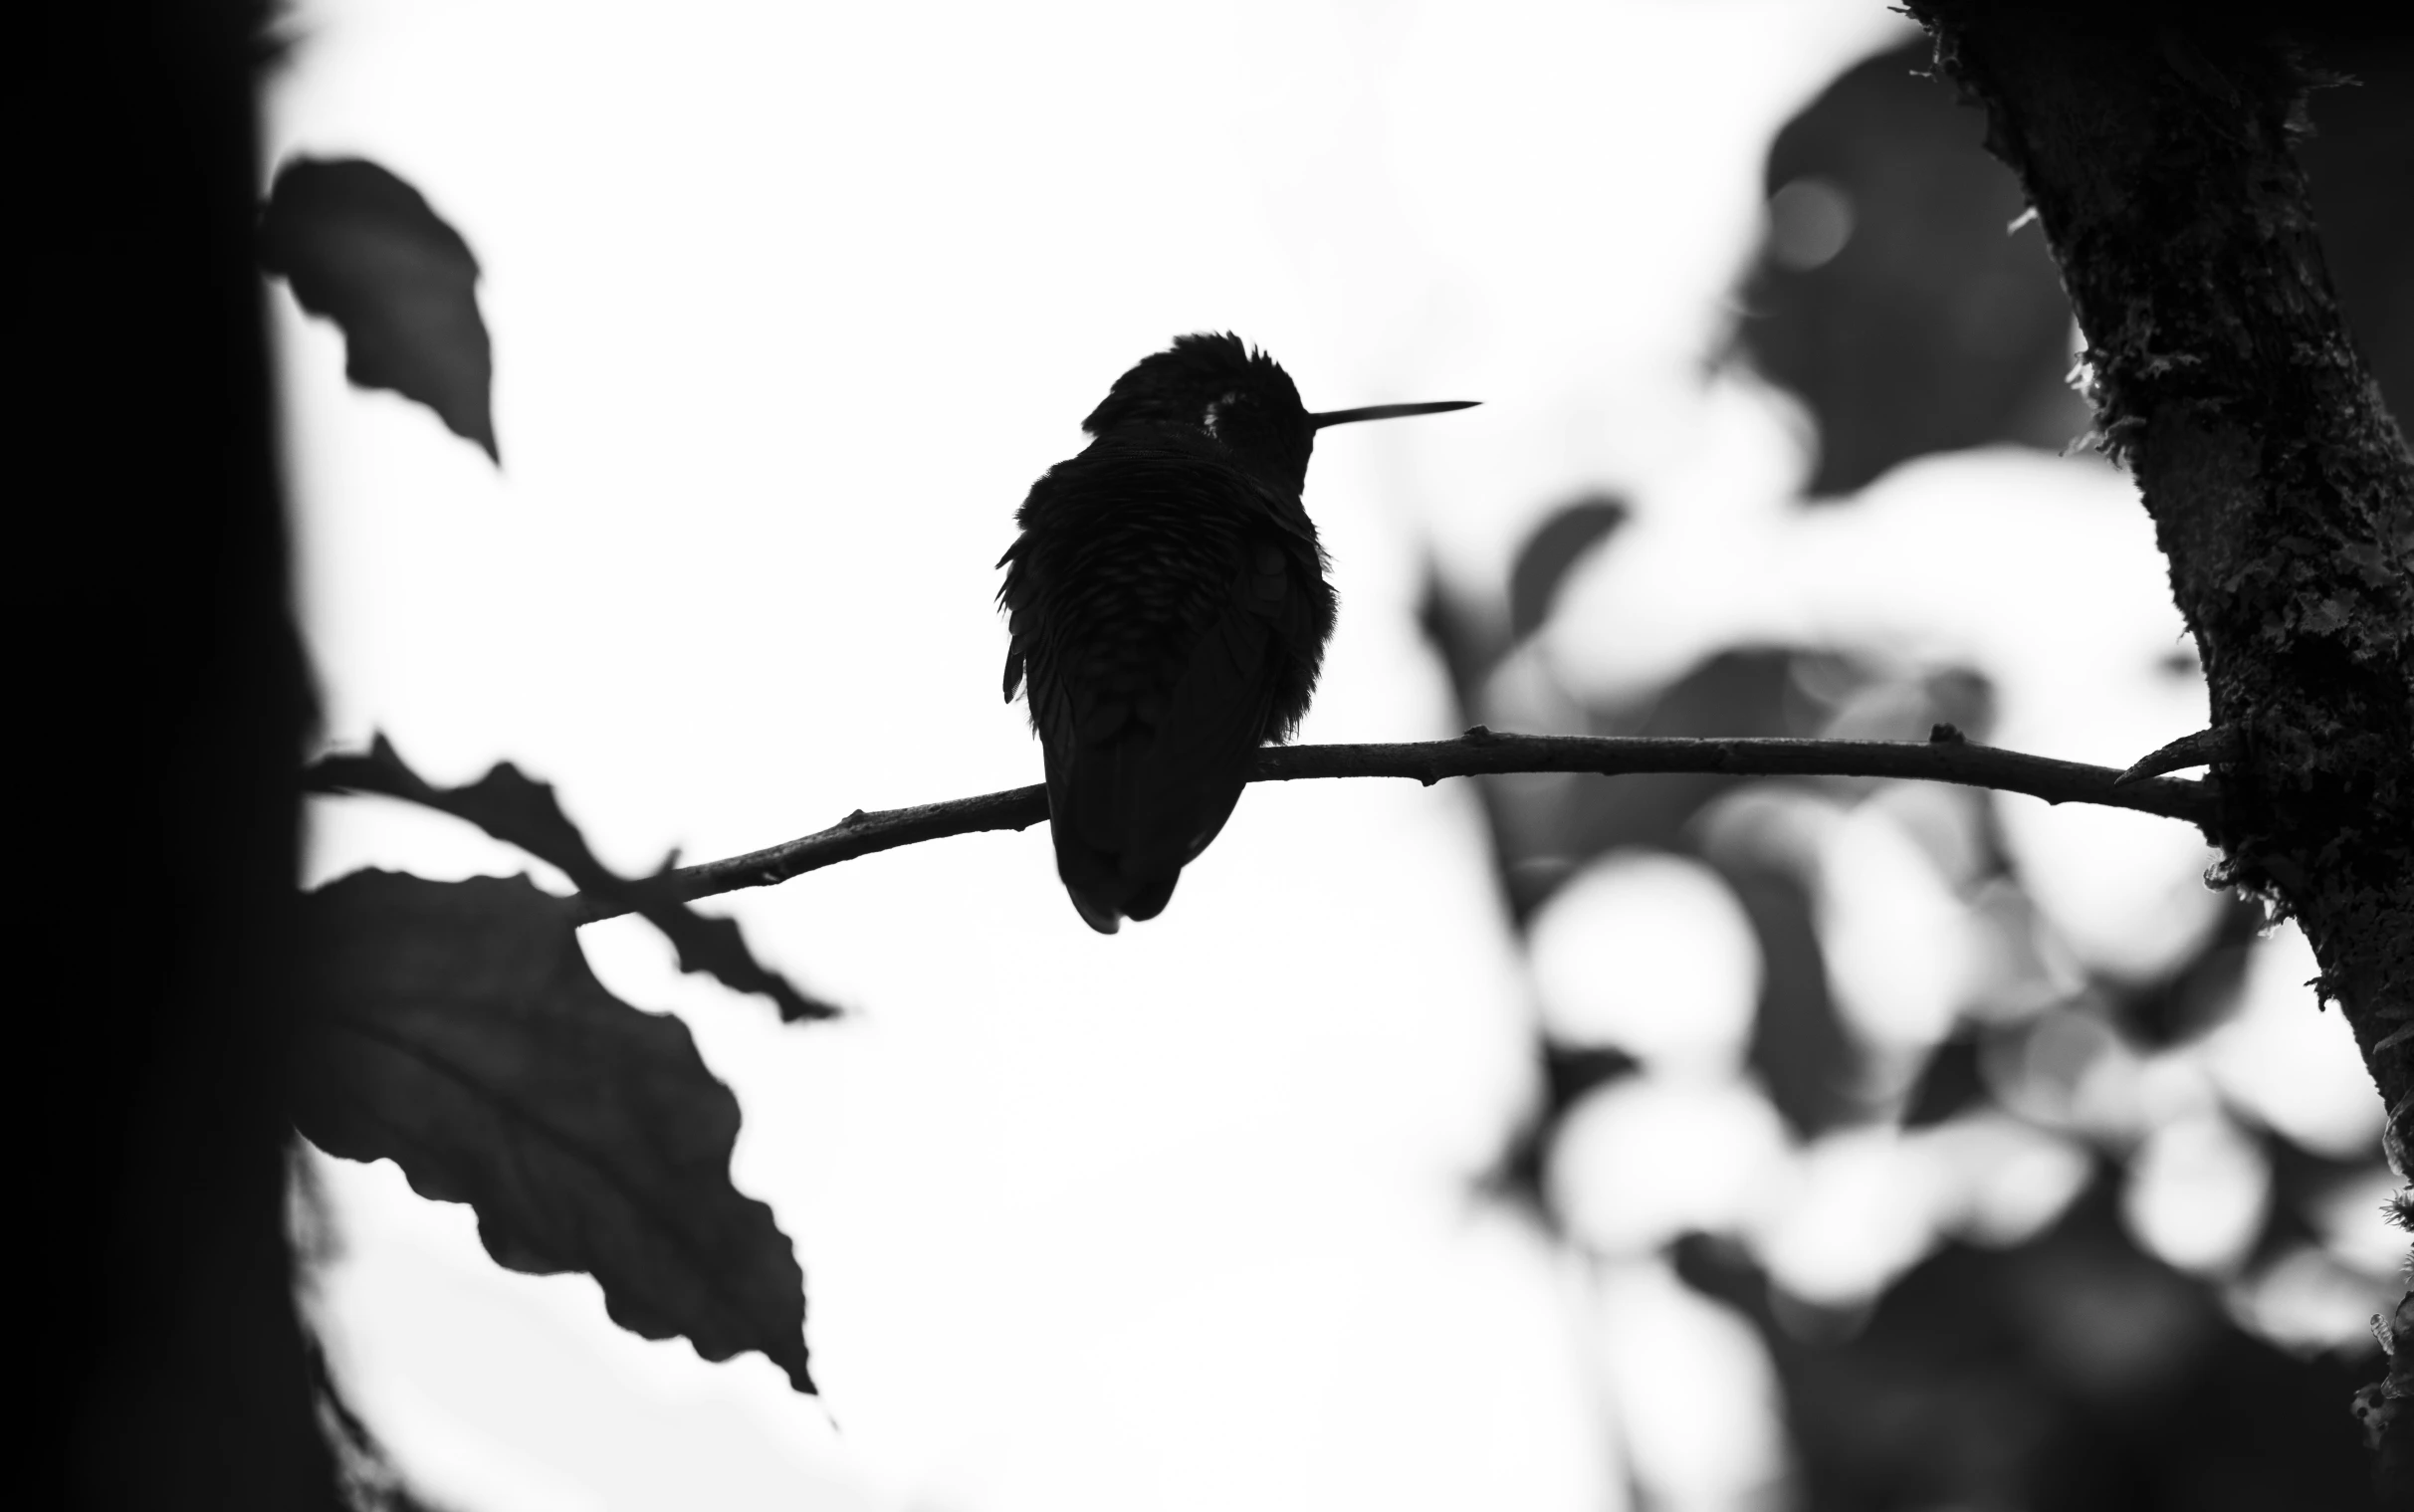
pixel 1174 777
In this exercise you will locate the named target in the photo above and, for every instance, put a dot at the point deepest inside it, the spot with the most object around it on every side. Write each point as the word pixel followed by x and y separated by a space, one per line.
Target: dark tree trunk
pixel 2159 159
pixel 162 711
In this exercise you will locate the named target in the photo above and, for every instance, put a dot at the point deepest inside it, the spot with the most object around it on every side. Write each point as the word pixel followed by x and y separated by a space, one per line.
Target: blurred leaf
pixel 2071 1371
pixel 1949 1084
pixel 1569 1072
pixel 513 808
pixel 361 247
pixel 1808 1061
pixel 1890 296
pixel 2200 992
pixel 455 1028
pixel 1467 647
pixel 1554 548
pixel 1741 691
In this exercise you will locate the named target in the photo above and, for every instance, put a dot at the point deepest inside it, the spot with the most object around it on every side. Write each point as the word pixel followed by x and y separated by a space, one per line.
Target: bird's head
pixel 1243 399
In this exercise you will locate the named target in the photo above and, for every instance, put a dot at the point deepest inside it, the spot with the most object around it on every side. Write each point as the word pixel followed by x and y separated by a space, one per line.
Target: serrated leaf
pixel 518 811
pixel 362 248
pixel 455 1028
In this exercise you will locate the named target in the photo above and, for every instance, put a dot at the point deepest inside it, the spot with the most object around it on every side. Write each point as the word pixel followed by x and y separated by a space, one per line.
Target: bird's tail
pixel 1122 839
pixel 1137 793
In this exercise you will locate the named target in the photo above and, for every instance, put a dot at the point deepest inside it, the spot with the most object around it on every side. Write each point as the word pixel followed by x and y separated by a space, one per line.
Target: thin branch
pixel 2222 745
pixel 1479 752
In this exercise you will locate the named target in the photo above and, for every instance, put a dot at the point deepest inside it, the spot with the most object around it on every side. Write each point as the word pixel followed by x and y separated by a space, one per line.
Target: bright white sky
pixel 791 303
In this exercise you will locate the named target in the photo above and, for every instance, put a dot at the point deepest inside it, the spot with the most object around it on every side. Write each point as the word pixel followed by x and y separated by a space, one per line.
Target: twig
pixel 1946 758
pixel 2220 745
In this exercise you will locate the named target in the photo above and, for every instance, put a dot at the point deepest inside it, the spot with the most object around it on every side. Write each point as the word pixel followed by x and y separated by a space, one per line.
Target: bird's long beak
pixel 1389 411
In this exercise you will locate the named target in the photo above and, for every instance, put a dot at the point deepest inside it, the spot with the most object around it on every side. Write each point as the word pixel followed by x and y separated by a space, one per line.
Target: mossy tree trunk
pixel 2159 159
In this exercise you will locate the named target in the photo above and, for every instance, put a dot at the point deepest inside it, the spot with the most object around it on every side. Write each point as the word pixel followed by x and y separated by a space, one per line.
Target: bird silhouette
pixel 1168 612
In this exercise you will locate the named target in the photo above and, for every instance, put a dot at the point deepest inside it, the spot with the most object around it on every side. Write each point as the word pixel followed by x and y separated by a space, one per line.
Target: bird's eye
pixel 1213 420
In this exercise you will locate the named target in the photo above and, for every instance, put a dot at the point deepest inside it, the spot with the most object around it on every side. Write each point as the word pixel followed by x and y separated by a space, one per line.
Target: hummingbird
pixel 1168 612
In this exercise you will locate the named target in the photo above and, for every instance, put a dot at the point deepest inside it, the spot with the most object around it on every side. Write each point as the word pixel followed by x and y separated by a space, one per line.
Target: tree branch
pixel 1479 752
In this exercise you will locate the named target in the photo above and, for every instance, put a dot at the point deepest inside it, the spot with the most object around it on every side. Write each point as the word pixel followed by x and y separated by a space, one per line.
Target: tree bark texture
pixel 2159 159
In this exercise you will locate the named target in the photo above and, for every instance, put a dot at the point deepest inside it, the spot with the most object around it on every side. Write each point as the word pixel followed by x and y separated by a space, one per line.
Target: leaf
pixel 361 247
pixel 516 810
pixel 455 1028
pixel 1552 552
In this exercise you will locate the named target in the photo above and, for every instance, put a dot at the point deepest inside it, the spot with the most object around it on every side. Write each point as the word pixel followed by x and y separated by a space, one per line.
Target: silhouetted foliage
pixel 361 247
pixel 516 810
pixel 454 1028
pixel 1892 295
pixel 2071 1371
pixel 1544 561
